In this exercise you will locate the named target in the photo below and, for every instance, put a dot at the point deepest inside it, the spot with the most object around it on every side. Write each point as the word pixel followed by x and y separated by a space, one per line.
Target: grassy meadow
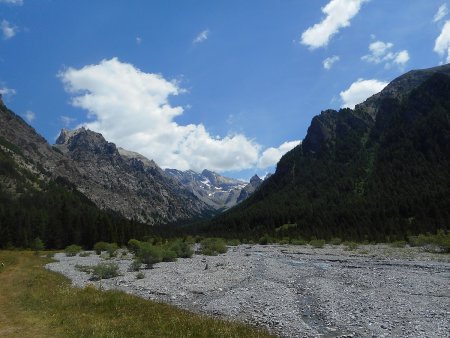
pixel 35 302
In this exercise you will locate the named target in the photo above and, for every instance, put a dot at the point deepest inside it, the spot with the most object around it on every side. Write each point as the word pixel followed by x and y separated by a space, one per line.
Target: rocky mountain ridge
pixel 217 191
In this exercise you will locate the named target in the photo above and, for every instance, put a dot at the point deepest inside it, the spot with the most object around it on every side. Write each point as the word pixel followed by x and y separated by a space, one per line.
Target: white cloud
pixel 66 120
pixel 442 44
pixel 441 13
pixel 131 108
pixel 138 40
pixel 271 156
pixel 328 62
pixel 7 91
pixel 201 37
pixel 338 15
pixel 8 30
pixel 29 115
pixel 359 91
pixel 12 2
pixel 381 52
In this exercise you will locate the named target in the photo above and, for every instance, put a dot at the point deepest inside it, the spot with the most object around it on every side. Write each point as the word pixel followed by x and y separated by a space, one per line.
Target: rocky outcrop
pixel 125 181
pixel 250 188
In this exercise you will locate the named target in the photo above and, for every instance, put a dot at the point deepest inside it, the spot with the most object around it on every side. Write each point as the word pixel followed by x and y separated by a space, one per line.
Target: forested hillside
pixel 379 172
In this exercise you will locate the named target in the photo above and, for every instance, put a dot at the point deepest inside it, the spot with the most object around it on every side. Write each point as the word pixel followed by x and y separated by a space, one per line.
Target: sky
pixel 229 86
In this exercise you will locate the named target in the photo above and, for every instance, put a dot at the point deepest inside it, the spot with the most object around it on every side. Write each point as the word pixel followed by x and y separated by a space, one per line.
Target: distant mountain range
pixel 217 191
pixel 120 180
pixel 379 171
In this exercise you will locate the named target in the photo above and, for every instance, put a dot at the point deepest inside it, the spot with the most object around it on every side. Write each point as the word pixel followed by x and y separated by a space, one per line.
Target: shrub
pixel 335 241
pixel 37 245
pixel 182 249
pixel 350 246
pixel 105 271
pixel 298 241
pixel 213 246
pixel 149 254
pixel 72 250
pixel 84 268
pixel 398 244
pixel 233 242
pixel 100 246
pixel 266 239
pixel 133 245
pixel 169 255
pixel 140 275
pixel 433 243
pixel 85 254
pixel 317 243
pixel 135 265
pixel 112 249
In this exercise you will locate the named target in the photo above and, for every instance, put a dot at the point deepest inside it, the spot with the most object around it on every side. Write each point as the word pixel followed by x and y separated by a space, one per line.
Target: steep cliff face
pixel 127 183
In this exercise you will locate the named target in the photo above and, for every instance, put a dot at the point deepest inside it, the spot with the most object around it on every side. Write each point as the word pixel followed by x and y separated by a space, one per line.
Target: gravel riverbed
pixel 298 291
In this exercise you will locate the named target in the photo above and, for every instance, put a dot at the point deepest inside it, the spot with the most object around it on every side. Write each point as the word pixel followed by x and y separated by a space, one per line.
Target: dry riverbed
pixel 298 291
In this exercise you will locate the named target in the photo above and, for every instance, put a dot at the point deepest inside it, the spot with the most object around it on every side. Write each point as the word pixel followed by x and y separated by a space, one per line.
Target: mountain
pixel 380 171
pixel 36 201
pixel 250 188
pixel 217 191
pixel 125 181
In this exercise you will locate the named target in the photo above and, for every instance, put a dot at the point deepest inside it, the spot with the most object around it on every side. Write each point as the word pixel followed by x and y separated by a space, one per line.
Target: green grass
pixel 35 302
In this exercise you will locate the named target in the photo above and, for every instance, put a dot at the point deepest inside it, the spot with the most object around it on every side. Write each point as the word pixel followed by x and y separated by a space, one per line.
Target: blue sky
pixel 224 85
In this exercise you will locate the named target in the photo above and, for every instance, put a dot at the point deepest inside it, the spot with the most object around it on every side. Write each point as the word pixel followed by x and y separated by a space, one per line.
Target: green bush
pixel 100 246
pixel 298 241
pixel 140 275
pixel 182 249
pixel 233 242
pixel 398 244
pixel 38 245
pixel 266 239
pixel 317 243
pixel 169 255
pixel 149 254
pixel 433 243
pixel 213 246
pixel 350 246
pixel 110 248
pixel 335 241
pixel 135 265
pixel 85 254
pixel 105 271
pixel 72 250
pixel 133 245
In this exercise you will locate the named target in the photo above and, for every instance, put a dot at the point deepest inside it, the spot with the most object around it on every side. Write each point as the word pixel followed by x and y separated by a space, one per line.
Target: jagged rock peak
pixel 65 135
pixel 130 155
pixel 255 180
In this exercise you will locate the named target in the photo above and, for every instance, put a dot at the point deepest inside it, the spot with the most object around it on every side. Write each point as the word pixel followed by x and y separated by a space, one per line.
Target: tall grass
pixel 35 302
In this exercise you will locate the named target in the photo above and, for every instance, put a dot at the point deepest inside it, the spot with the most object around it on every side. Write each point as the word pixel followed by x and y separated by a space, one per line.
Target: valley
pixel 298 291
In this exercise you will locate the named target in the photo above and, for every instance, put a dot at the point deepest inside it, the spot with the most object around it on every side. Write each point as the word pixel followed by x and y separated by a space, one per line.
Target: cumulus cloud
pixel 12 2
pixel 441 13
pixel 359 91
pixel 338 15
pixel 272 155
pixel 29 115
pixel 131 108
pixel 138 40
pixel 8 30
pixel 442 43
pixel 328 62
pixel 201 37
pixel 382 52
